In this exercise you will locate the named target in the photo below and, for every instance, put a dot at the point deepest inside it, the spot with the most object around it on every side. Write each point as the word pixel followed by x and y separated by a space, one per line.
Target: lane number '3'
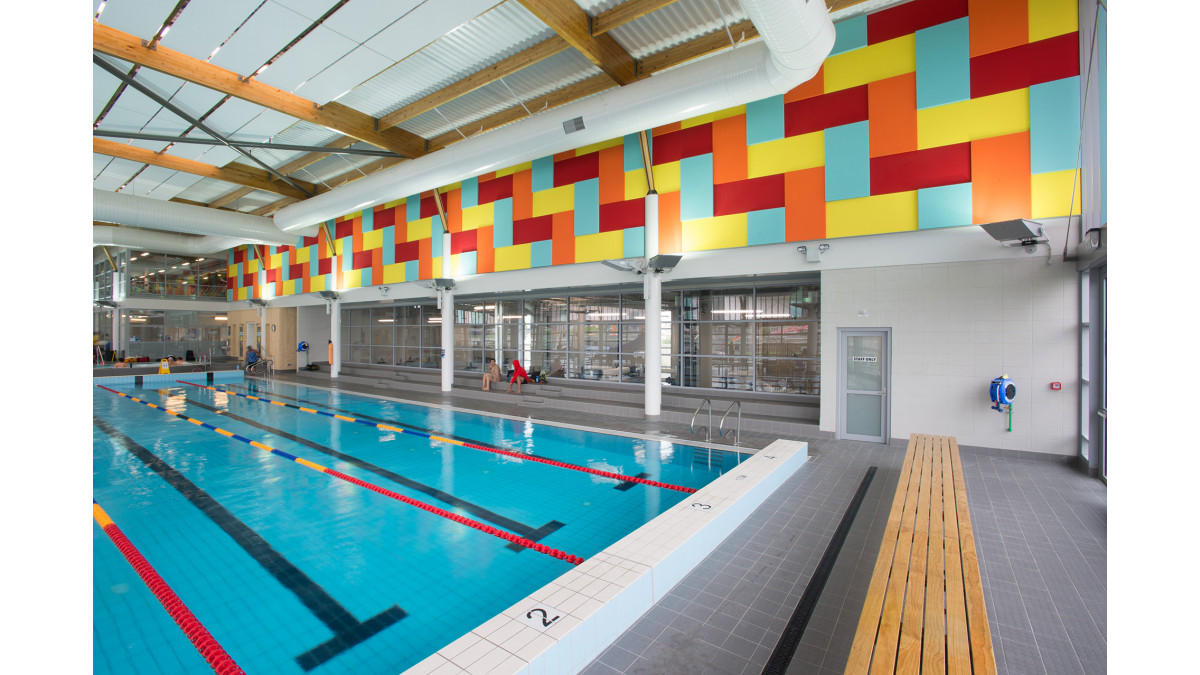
pixel 545 621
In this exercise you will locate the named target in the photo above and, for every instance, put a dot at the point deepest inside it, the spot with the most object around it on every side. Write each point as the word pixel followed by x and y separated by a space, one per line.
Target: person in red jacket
pixel 518 376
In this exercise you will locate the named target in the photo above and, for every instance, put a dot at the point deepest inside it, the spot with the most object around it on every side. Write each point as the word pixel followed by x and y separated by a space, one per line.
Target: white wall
pixel 312 326
pixel 955 327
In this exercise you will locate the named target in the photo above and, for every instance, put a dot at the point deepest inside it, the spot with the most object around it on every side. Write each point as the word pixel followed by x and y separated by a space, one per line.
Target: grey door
pixel 864 367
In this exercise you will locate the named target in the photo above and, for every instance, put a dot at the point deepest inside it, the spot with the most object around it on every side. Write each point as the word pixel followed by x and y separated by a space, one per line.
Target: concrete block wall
pixel 955 327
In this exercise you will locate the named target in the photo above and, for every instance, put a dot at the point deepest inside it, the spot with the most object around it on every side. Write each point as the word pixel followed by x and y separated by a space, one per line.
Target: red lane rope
pixel 466 444
pixel 199 636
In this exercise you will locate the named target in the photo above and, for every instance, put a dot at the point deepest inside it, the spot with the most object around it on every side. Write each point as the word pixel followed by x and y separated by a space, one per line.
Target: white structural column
pixel 262 330
pixel 653 320
pixel 446 302
pixel 335 334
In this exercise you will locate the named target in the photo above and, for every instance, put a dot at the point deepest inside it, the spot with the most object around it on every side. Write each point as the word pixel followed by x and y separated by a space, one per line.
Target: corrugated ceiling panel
pixel 104 86
pixel 675 24
pixel 359 20
pixel 182 181
pixel 108 183
pixel 132 99
pixel 207 190
pixel 495 35
pixel 264 127
pixel 348 72
pixel 160 83
pixel 425 24
pixel 153 146
pixel 196 100
pixel 218 155
pixel 137 17
pixel 148 180
pixel 270 29
pixel 124 119
pixel 330 168
pixel 551 74
pixel 99 163
pixel 121 169
pixel 166 122
pixel 306 59
pixel 203 26
pixel 310 9
pixel 254 200
pixel 233 115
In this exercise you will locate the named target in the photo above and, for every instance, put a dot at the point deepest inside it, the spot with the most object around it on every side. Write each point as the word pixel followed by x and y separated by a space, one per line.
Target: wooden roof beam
pixel 574 25
pixel 624 13
pixel 332 115
pixel 707 44
pixel 232 173
pixel 526 57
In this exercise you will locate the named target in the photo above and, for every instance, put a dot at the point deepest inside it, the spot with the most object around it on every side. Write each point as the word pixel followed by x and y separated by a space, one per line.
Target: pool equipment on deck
pixel 1003 391
pixel 303 347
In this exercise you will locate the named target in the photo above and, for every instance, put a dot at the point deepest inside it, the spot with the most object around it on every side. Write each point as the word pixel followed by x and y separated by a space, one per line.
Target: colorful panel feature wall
pixel 929 114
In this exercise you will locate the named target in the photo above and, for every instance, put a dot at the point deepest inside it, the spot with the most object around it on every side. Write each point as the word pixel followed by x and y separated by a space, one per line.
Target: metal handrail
pixel 707 429
pixel 737 439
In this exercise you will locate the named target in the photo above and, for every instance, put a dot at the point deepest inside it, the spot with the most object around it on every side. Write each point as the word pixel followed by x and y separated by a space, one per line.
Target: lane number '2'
pixel 545 621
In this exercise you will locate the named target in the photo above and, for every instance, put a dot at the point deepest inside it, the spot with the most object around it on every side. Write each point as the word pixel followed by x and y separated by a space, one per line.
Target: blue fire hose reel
pixel 1003 391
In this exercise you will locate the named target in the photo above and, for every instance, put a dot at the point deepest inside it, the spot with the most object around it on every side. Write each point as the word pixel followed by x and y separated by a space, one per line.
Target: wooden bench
pixel 924 611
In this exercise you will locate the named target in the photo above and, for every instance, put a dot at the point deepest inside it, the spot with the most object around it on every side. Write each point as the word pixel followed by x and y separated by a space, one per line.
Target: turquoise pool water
pixel 294 571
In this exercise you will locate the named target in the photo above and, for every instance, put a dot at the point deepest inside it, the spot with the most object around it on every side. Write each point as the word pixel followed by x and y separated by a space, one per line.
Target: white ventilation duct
pixel 158 214
pixel 797 36
pixel 163 242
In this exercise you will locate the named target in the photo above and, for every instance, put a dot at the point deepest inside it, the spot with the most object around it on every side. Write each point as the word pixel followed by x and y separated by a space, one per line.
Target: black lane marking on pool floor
pixel 516 527
pixel 790 639
pixel 348 631
pixel 623 485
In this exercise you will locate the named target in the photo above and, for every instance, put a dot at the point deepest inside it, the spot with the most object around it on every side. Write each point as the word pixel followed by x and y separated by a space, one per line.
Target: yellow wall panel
pixel 666 178
pixel 241 293
pixel 513 257
pixel 514 169
pixel 1051 194
pixel 703 234
pixel 868 64
pixel 393 274
pixel 391 205
pixel 635 184
pixel 292 286
pixel 713 117
pixel 596 147
pixel 449 188
pixel 251 264
pixel 475 217
pixel 600 246
pixel 985 117
pixel 274 262
pixel 372 239
pixel 437 267
pixel 554 200
pixel 317 283
pixel 420 229
pixel 895 212
pixel 301 255
pixel 351 278
pixel 786 154
pixel 1048 18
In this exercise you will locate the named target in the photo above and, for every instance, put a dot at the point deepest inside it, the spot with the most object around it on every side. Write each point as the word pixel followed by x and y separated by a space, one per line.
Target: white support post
pixel 262 329
pixel 447 298
pixel 653 320
pixel 335 333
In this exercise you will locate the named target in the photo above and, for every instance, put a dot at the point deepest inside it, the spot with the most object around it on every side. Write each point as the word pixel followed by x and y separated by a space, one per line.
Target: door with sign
pixel 864 357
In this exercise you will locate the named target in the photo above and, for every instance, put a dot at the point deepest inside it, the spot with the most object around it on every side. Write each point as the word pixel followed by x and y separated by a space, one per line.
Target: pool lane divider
pixel 453 441
pixel 199 636
pixel 482 527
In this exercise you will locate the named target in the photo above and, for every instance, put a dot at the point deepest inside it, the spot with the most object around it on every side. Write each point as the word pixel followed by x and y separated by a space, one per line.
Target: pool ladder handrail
pixel 707 429
pixel 737 439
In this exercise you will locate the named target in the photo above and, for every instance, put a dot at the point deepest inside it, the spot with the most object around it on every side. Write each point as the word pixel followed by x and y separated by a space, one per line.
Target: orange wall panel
pixel 452 202
pixel 729 149
pixel 485 254
pixel 804 199
pixel 425 261
pixel 563 233
pixel 998 24
pixel 670 228
pixel 892 115
pixel 523 194
pixel 814 87
pixel 1000 184
pixel 612 175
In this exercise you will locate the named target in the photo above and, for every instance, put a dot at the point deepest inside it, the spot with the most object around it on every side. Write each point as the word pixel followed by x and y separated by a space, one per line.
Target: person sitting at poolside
pixel 492 374
pixel 519 376
pixel 251 355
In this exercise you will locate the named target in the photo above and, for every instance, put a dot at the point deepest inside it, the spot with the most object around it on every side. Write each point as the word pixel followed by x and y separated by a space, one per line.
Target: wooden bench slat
pixel 933 656
pixel 958 646
pixel 982 656
pixel 887 642
pixel 908 657
pixel 868 623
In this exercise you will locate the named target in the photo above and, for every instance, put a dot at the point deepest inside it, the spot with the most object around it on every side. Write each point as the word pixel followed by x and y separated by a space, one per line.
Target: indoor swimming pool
pixel 311 530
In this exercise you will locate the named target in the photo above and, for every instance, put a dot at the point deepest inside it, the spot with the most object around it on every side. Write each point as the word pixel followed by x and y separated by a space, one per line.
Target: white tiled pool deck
pixel 564 625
